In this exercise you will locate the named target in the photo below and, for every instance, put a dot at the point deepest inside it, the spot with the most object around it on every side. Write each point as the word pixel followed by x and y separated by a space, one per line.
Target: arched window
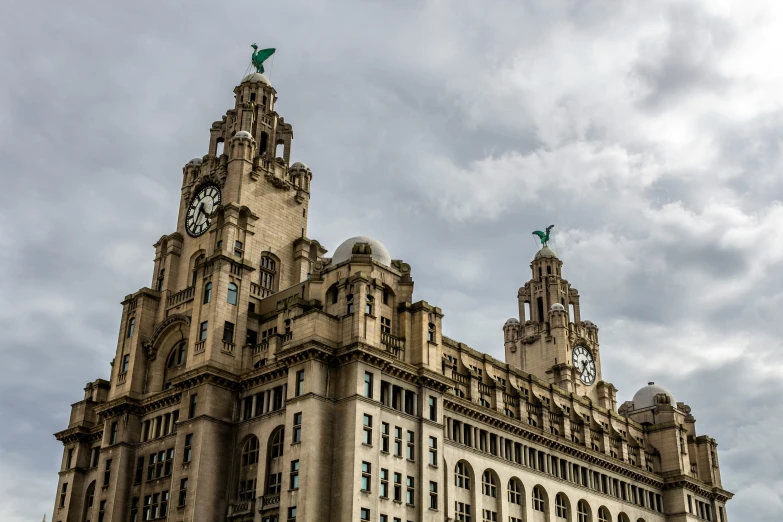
pixel 539 499
pixel 207 293
pixel 250 452
pixel 276 444
pixel 561 506
pixel 488 485
pixel 131 326
pixel 582 511
pixel 232 294
pixel 515 493
pixel 462 475
pixel 177 357
pixel 268 270
pixel 603 515
pixel 89 500
pixel 622 517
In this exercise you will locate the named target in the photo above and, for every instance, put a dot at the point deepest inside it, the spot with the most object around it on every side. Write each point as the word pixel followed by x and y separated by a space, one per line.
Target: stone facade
pixel 258 380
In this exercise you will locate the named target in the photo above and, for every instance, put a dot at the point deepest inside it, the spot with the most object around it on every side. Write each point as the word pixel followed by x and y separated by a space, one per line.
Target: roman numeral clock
pixel 200 210
pixel 584 362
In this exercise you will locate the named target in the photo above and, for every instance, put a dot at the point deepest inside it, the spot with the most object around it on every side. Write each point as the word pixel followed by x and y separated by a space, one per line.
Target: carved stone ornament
pixel 151 345
pixel 405 268
pixel 277 182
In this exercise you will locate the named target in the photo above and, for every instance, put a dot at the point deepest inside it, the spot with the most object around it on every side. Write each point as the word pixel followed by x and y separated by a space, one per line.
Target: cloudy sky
pixel 649 133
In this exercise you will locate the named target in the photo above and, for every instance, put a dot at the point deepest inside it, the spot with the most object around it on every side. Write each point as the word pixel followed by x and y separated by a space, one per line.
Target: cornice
pixel 698 487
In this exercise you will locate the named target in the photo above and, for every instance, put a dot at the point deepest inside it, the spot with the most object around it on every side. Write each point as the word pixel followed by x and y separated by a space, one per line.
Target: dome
pixel 557 307
pixel 345 250
pixel 645 398
pixel 195 161
pixel 545 252
pixel 511 321
pixel 243 134
pixel 299 165
pixel 256 78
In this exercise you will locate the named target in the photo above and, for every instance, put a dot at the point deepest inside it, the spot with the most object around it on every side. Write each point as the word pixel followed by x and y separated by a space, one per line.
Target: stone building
pixel 257 379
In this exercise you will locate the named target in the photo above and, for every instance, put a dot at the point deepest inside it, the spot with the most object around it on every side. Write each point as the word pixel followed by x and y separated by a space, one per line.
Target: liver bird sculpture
pixel 259 57
pixel 544 236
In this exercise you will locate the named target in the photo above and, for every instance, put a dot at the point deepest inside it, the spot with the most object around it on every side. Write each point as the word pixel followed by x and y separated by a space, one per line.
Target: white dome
pixel 512 320
pixel 545 252
pixel 243 134
pixel 645 398
pixel 345 250
pixel 299 165
pixel 256 78
pixel 195 161
pixel 557 307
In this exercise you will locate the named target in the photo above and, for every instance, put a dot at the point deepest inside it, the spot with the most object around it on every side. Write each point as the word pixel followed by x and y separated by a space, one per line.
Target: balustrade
pixel 393 345
pixel 181 296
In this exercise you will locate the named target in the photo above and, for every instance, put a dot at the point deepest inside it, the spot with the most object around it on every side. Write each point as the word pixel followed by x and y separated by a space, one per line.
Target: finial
pixel 544 236
pixel 259 57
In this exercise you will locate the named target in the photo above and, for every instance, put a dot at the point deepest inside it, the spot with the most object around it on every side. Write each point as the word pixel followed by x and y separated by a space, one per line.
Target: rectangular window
pixel 364 514
pixel 297 432
pixel 202 333
pixel 125 363
pixel 63 493
pixel 139 470
pixel 183 492
pixel 238 248
pixel 409 490
pixel 367 434
pixel 275 481
pixel 398 487
pixel 169 464
pixel 228 332
pixel 251 337
pixel 188 451
pixel 490 516
pixel 368 385
pixel 398 441
pixel 385 325
pixel 294 475
pixel 384 493
pixel 366 476
pixel 101 510
pixel 164 504
pixel 411 446
pixel 433 408
pixel 433 451
pixel 385 437
pixel 134 512
pixel 384 518
pixel 299 383
pixel 462 512
pixel 433 495
pixel 193 403
pixel 292 514
pixel 69 460
pixel 107 473
pixel 114 429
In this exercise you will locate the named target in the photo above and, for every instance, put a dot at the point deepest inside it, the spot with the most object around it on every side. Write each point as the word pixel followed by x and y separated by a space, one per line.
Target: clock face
pixel 205 201
pixel 584 364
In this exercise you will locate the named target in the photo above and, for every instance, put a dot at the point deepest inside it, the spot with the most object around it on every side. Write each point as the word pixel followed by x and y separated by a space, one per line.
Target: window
pixel 134 512
pixel 384 493
pixel 603 514
pixel 368 385
pixel 193 403
pixel 398 487
pixel 462 511
pixel 188 450
pixel 238 248
pixel 107 473
pixel 431 337
pixel 292 514
pixel 231 298
pixel 561 508
pixel 202 332
pixel 364 514
pixel 294 482
pixel 384 518
pixel 274 483
pixel 114 429
pixel 539 504
pixel 433 451
pixel 583 512
pixel 207 293
pixel 297 435
pixel 183 492
pixel 161 278
pixel 367 433
pixel 515 492
pixel 462 475
pixel 101 510
pixel 368 305
pixel 488 485
pixel 349 299
pixel 432 402
pixel 277 444
pixel 366 476
pixel 139 471
pixel 433 495
pixel 398 441
pixel 409 490
pixel 96 454
pixel 63 493
pixel 489 516
pixel 228 332
pixel 385 325
pixel 250 451
pixel 268 271
pixel 125 363
pixel 164 503
pixel 385 437
pixel 247 489
pixel 131 326
pixel 299 389
pixel 411 446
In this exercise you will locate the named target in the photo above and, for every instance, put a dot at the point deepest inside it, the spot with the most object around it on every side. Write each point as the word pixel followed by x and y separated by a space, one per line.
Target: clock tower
pixel 550 340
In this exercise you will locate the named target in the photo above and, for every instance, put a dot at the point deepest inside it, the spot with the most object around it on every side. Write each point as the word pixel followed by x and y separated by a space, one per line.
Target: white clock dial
pixel 584 363
pixel 202 205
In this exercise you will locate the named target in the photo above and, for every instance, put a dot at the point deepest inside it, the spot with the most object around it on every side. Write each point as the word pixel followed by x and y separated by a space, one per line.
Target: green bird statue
pixel 543 236
pixel 259 57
